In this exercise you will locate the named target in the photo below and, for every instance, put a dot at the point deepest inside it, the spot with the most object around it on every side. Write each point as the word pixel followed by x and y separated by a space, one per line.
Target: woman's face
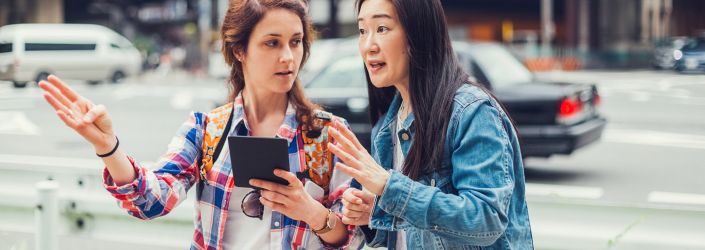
pixel 383 44
pixel 274 52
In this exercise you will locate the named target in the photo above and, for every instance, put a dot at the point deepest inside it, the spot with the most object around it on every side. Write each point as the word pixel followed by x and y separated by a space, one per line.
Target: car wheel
pixel 19 84
pixel 42 76
pixel 117 77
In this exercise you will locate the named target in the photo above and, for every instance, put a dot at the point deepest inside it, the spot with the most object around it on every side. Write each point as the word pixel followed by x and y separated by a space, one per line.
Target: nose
pixel 368 44
pixel 287 55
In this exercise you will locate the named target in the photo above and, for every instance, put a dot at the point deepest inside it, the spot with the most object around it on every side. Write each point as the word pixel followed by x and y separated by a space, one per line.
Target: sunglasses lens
pixel 251 206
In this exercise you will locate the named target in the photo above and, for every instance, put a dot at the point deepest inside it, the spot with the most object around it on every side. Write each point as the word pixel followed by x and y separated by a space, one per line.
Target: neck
pixel 262 104
pixel 403 89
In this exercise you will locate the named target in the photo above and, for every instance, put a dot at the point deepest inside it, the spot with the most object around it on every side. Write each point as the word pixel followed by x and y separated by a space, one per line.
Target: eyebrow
pixel 280 35
pixel 376 16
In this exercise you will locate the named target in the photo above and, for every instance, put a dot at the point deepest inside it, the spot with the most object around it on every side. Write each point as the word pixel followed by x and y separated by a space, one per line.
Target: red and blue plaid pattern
pixel 155 193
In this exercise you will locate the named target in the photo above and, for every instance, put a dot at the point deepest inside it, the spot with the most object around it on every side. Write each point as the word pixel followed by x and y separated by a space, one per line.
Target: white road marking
pixel 17 123
pixel 533 189
pixel 676 198
pixel 654 138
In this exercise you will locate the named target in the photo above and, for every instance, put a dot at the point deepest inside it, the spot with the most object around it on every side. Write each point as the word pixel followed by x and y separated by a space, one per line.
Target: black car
pixel 552 118
pixel 691 58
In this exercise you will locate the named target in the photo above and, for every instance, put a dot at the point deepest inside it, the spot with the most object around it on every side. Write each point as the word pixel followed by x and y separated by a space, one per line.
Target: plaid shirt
pixel 156 193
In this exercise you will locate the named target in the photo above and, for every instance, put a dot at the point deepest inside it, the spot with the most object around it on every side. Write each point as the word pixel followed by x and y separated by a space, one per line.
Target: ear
pixel 239 56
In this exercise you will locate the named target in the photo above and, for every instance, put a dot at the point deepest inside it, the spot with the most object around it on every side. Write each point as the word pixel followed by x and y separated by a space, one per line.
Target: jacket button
pixel 405 136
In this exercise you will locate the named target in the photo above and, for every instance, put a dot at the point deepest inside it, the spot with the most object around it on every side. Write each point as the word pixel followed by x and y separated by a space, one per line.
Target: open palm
pixel 78 113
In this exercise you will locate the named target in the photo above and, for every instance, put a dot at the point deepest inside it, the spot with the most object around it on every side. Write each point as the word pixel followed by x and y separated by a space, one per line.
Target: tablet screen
pixel 256 158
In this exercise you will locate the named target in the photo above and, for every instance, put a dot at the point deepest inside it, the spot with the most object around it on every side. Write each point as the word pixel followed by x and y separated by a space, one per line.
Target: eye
pixel 362 31
pixel 296 42
pixel 272 43
pixel 382 29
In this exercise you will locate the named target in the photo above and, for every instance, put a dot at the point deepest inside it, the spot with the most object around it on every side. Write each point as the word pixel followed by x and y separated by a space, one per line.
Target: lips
pixel 284 73
pixel 375 65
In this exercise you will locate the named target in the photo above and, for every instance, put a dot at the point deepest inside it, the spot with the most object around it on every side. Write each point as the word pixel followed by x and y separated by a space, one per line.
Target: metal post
pixel 547 27
pixel 47 215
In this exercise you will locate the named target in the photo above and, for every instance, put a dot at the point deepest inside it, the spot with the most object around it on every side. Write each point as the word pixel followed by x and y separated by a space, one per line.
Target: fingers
pixel 352 213
pixel 56 104
pixel 95 113
pixel 288 176
pixel 340 127
pixel 68 92
pixel 267 185
pixel 56 93
pixel 367 197
pixel 273 205
pixel 344 156
pixel 352 172
pixel 275 197
pixel 70 122
pixel 362 220
pixel 343 141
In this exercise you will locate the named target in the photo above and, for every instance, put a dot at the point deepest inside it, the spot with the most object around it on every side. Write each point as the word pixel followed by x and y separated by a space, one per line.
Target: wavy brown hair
pixel 240 19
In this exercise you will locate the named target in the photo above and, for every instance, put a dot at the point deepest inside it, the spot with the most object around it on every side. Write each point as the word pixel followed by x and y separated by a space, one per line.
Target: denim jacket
pixel 475 200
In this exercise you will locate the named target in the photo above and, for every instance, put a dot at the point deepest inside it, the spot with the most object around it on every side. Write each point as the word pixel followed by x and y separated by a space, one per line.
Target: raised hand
pixel 90 121
pixel 358 163
pixel 357 206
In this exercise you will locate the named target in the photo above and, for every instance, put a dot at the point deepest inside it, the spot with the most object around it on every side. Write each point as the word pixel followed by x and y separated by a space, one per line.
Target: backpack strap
pixel 213 143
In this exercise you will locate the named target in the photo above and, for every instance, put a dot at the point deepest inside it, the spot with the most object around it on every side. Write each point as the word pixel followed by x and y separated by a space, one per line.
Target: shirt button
pixel 276 224
pixel 405 136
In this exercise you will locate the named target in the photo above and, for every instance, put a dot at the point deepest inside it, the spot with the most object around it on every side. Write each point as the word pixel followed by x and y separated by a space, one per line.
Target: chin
pixel 380 83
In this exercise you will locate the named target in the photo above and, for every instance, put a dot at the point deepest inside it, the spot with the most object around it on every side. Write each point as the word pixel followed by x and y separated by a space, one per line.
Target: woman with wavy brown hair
pixel 267 43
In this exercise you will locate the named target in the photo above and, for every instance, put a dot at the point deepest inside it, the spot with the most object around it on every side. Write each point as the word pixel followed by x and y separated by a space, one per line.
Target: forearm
pixel 118 165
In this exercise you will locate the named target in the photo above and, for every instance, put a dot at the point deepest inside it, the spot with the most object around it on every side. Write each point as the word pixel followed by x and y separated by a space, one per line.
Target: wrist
pixel 107 146
pixel 384 178
pixel 318 218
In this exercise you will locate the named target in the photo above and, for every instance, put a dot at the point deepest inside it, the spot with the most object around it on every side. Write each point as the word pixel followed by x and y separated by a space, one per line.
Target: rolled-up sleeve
pixel 155 193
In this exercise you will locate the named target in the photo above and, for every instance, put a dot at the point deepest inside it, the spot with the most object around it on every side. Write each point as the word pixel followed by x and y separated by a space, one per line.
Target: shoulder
pixel 472 103
pixel 224 109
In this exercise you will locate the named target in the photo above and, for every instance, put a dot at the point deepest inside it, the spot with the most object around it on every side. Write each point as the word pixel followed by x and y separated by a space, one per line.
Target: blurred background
pixel 608 97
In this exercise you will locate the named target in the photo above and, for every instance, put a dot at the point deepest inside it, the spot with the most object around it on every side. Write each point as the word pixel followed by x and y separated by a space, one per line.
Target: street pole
pixel 47 215
pixel 547 28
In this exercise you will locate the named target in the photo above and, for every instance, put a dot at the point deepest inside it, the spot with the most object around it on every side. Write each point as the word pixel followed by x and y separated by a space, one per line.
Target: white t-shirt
pixel 398 166
pixel 241 231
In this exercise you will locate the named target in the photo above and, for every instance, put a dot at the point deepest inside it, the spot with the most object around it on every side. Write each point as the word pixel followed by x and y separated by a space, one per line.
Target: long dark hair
pixel 240 19
pixel 434 77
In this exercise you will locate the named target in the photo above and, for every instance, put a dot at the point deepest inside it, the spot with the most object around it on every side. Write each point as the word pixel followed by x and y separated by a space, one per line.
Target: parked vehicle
pixel 691 58
pixel 552 118
pixel 30 52
pixel 665 51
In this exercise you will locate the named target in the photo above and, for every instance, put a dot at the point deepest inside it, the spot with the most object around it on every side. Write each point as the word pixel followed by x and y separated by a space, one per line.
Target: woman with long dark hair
pixel 267 43
pixel 445 169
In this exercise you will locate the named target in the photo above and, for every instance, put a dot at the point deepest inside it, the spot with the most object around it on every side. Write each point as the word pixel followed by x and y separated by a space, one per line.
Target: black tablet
pixel 256 158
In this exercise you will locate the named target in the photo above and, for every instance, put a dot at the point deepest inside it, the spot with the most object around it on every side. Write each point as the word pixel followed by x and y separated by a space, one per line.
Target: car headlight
pixel 677 54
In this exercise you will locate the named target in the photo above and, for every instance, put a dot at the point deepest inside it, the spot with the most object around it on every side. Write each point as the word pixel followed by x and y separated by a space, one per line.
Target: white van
pixel 30 52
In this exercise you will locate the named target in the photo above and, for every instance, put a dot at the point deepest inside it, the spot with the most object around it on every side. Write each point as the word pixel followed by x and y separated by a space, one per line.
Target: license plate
pixel 691 63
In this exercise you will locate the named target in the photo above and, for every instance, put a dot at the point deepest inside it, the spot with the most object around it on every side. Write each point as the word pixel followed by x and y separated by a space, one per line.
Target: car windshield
pixel 346 72
pixel 500 67
pixel 695 45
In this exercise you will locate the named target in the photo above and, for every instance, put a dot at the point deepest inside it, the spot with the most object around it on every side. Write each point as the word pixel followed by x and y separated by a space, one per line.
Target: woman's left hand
pixel 292 200
pixel 358 163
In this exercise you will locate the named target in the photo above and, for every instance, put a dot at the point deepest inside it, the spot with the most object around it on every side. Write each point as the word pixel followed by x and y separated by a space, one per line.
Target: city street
pixel 654 143
pixel 651 154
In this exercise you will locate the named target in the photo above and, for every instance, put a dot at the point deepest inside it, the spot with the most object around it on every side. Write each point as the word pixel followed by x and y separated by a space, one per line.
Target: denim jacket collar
pixel 383 138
